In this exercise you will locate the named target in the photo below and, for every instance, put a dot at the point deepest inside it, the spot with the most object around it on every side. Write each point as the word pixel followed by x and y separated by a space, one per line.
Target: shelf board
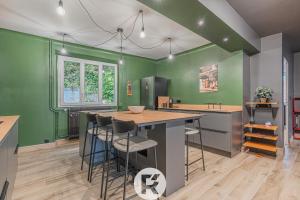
pixel 265 147
pixel 259 103
pixel 261 126
pixel 262 136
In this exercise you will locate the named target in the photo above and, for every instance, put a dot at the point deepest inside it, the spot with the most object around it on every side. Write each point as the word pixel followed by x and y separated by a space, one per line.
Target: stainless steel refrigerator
pixel 151 88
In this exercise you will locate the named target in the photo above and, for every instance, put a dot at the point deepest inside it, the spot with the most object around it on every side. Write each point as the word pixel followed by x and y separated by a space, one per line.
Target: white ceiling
pixel 39 17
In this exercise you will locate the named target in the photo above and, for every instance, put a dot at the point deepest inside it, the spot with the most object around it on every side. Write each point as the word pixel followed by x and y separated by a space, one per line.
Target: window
pixel 86 83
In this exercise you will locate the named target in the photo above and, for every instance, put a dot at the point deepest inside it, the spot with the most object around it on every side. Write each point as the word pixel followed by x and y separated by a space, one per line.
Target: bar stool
pixel 124 141
pixel 103 133
pixel 189 132
pixel 91 119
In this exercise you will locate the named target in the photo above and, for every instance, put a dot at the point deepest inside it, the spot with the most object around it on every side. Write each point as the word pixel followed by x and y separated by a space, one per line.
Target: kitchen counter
pixel 8 155
pixel 6 124
pixel 149 117
pixel 198 107
pixel 221 128
pixel 166 128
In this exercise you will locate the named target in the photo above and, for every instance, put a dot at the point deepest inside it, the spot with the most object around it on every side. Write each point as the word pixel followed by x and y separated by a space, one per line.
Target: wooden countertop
pixel 204 108
pixel 6 125
pixel 150 117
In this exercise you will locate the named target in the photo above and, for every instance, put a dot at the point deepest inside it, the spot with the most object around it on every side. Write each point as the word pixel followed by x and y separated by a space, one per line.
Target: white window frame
pixel 60 70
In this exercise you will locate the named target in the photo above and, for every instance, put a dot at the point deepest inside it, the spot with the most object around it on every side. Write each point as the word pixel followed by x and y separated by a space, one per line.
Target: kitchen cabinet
pixel 8 159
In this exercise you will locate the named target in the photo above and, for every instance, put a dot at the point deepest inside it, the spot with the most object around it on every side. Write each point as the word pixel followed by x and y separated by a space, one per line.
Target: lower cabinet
pixel 8 163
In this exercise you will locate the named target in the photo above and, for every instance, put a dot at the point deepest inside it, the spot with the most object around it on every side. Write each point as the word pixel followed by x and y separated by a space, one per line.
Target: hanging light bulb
pixel 63 49
pixel 171 56
pixel 142 33
pixel 121 62
pixel 60 9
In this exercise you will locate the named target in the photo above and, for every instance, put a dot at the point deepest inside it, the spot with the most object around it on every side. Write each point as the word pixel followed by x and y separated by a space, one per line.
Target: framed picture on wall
pixel 208 78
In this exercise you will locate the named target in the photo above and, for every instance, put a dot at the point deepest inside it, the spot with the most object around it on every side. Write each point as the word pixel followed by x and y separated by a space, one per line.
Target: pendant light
pixel 63 49
pixel 170 57
pixel 60 9
pixel 121 62
pixel 142 33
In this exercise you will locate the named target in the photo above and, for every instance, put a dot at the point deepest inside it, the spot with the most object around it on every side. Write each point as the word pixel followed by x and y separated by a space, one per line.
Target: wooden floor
pixel 54 174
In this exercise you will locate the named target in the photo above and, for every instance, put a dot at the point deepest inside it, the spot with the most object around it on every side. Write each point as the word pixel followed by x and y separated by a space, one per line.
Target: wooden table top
pixel 150 117
pixel 8 123
pixel 198 107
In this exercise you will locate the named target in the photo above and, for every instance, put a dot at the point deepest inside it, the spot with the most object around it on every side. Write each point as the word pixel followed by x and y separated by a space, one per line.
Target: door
pixel 286 101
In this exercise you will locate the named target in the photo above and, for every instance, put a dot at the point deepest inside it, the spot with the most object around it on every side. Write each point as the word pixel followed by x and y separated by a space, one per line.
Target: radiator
pixel 73 124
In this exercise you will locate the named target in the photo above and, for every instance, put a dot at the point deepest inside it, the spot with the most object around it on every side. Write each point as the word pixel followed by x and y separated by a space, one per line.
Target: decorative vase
pixel 263 100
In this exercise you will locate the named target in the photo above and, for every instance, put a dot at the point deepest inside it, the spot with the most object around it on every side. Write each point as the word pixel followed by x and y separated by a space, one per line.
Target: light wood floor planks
pixel 54 174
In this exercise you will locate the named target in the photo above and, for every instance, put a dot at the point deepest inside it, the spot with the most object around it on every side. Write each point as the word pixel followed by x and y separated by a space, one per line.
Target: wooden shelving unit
pixel 260 137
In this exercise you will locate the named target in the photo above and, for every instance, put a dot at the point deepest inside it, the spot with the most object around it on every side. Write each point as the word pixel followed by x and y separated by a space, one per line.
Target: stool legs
pixel 91 157
pixel 202 150
pixel 187 157
pixel 200 134
pixel 107 173
pixel 83 154
pixel 103 164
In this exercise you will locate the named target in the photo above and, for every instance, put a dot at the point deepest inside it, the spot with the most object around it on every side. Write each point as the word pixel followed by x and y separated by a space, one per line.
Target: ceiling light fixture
pixel 121 62
pixel 225 39
pixel 63 49
pixel 60 9
pixel 142 33
pixel 170 57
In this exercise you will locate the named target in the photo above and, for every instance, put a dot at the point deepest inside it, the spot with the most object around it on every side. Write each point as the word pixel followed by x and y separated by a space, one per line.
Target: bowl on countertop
pixel 136 109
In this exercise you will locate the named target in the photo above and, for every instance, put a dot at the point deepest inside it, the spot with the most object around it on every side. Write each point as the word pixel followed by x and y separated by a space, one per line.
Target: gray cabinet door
pixel 12 161
pixel 3 165
pixel 217 140
pixel 217 121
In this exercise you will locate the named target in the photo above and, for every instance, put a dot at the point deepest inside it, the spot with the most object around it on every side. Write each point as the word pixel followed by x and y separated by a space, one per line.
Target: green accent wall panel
pixel 24 82
pixel 24 85
pixel 183 71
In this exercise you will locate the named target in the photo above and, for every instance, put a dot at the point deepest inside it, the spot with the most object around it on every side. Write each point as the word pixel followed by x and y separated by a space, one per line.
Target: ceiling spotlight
pixel 171 56
pixel 60 9
pixel 201 22
pixel 142 33
pixel 225 39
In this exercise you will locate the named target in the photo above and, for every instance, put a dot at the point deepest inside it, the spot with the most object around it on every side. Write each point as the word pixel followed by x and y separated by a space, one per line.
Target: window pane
pixel 71 82
pixel 108 84
pixel 91 83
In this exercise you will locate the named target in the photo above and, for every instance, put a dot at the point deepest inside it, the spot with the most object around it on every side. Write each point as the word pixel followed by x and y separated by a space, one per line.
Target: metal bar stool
pixel 124 141
pixel 188 132
pixel 91 119
pixel 103 133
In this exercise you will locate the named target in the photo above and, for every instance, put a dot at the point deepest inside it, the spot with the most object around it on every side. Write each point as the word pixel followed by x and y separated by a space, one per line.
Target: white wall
pixel 266 70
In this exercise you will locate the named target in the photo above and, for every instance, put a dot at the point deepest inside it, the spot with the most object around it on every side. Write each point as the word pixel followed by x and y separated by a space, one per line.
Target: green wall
pixel 24 82
pixel 184 74
pixel 28 80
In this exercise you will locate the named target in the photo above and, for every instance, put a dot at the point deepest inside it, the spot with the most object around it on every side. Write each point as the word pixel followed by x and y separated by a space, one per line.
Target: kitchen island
pixel 221 126
pixel 167 128
pixel 8 155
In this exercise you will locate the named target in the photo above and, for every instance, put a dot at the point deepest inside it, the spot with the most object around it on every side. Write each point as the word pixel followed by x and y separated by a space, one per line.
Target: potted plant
pixel 264 94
